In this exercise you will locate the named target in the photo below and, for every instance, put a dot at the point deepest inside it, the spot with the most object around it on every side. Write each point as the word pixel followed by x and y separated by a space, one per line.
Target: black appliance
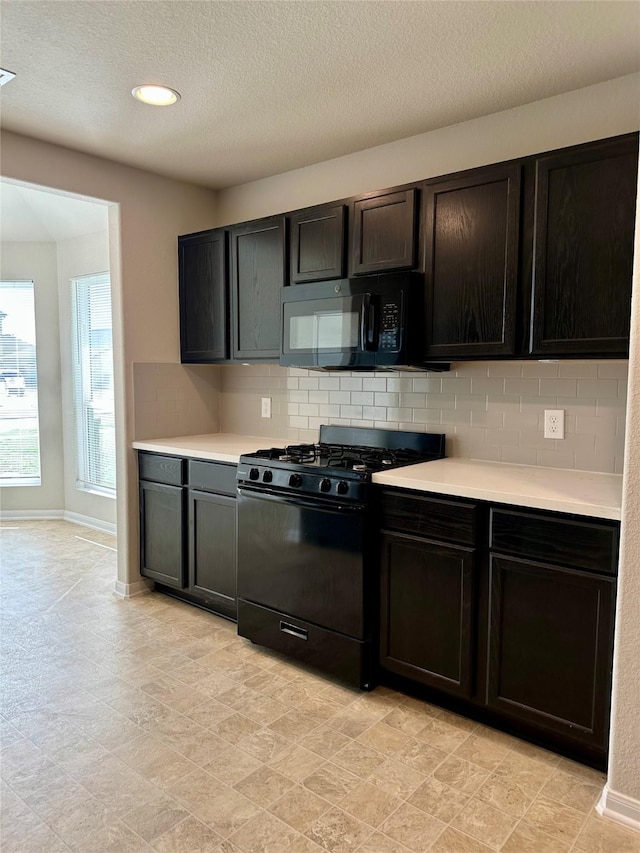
pixel 307 582
pixel 375 323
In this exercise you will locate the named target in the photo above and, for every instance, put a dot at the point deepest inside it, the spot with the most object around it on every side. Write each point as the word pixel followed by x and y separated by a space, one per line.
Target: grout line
pixel 99 544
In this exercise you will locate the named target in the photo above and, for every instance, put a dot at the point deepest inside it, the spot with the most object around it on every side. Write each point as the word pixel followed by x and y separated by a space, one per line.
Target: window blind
pixel 19 428
pixel 93 383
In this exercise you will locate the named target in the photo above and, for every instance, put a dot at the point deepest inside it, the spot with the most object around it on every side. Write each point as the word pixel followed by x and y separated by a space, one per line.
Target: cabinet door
pixel 257 274
pixel 161 533
pixel 550 647
pixel 204 314
pixel 426 620
pixel 471 262
pixel 212 550
pixel 384 232
pixel 317 244
pixel 583 249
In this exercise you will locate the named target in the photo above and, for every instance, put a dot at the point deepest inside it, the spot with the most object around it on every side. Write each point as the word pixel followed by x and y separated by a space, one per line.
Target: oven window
pixel 327 330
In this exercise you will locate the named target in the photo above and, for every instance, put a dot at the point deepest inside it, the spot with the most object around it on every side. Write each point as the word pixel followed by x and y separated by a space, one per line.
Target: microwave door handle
pixel 367 323
pixel 371 326
pixel 364 320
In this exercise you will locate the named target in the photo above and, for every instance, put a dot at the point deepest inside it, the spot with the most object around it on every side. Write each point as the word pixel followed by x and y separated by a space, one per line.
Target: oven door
pixel 304 558
pixel 322 329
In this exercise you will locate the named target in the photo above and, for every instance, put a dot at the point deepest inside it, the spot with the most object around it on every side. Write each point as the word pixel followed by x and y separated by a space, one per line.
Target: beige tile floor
pixel 148 725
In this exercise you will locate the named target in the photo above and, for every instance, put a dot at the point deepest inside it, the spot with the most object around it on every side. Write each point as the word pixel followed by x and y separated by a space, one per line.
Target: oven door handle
pixel 297 500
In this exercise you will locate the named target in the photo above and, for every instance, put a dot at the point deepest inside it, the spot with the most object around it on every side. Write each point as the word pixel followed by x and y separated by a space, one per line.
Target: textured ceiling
pixel 39 216
pixel 272 86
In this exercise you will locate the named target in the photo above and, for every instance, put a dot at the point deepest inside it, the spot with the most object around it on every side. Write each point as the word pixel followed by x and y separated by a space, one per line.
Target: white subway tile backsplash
pixel 505 368
pixel 456 384
pixel 431 385
pixel 559 387
pixel 524 387
pixel 400 385
pixel 318 396
pixel 488 410
pixel 599 388
pixel 351 412
pixel 411 400
pixel 613 369
pixel 329 383
pixel 471 402
pixel 376 413
pixel 340 397
pixel 369 384
pixel 578 369
pixel 540 369
pixel 385 399
pixel 309 383
pixel 362 398
pixel 351 383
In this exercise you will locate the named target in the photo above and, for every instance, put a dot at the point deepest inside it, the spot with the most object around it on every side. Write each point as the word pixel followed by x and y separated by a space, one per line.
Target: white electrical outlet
pixel 554 423
pixel 266 407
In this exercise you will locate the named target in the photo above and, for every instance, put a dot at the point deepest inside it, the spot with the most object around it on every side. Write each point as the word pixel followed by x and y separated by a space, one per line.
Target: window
pixel 19 434
pixel 93 383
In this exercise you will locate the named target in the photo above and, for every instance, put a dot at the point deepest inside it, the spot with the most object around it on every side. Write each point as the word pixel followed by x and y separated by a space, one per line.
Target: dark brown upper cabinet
pixel 257 274
pixel 472 224
pixel 204 310
pixel 583 249
pixel 383 232
pixel 317 237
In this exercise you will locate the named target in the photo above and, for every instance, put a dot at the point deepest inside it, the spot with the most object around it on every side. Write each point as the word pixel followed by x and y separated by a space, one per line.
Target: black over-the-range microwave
pixel 373 323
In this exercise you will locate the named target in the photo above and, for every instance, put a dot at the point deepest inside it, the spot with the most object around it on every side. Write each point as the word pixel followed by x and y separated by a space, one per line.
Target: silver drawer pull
pixel 288 628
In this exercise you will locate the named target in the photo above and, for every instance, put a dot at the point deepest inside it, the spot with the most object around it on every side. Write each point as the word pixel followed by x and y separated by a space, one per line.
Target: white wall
pixel 80 256
pixel 37 261
pixel 147 215
pixel 607 109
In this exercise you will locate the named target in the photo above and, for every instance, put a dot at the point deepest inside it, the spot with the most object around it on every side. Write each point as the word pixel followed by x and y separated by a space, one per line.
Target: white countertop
pixel 579 492
pixel 560 489
pixel 219 447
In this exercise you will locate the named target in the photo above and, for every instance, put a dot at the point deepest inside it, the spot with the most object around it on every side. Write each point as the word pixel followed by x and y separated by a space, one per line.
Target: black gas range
pixel 307 545
pixel 341 464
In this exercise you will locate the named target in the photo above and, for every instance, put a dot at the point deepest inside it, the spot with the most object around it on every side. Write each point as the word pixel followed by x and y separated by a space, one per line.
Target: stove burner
pixel 359 467
pixel 286 457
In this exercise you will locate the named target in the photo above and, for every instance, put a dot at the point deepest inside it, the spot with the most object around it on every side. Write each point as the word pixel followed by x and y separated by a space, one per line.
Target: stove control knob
pixel 342 487
pixel 267 477
pixel 325 485
pixel 254 474
pixel 295 480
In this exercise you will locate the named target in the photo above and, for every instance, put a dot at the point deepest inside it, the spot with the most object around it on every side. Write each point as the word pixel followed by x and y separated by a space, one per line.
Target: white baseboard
pixel 619 807
pixel 53 514
pixel 130 590
pixel 30 514
pixel 87 521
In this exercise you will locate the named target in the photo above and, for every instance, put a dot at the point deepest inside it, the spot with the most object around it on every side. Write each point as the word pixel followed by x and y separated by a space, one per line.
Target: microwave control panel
pixel 390 318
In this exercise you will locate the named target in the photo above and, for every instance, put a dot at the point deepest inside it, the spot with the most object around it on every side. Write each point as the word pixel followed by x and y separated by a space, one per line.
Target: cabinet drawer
pixel 438 519
pixel 161 469
pixel 213 477
pixel 344 657
pixel 578 544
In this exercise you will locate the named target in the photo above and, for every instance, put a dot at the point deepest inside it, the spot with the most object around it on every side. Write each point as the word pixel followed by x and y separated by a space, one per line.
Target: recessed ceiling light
pixel 5 76
pixel 157 96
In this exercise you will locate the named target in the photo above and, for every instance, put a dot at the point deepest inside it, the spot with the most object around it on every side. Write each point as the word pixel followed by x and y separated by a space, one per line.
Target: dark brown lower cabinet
pixel 162 515
pixel 503 612
pixel 550 647
pixel 212 550
pixel 426 596
pixel 188 529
